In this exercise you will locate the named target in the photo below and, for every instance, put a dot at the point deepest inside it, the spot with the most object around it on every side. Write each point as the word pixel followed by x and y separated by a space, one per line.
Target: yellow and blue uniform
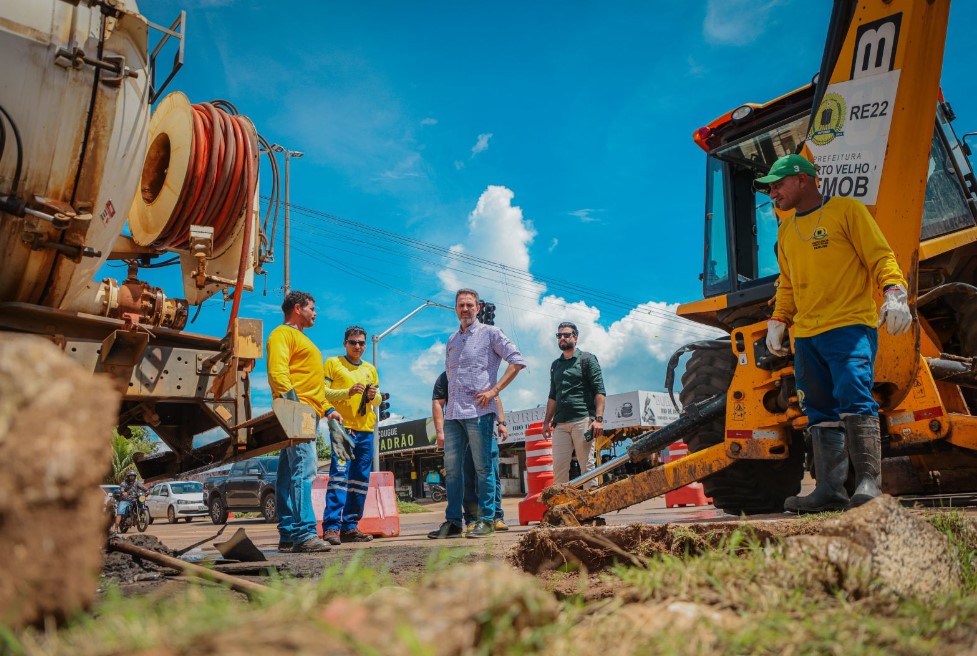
pixel 349 481
pixel 830 259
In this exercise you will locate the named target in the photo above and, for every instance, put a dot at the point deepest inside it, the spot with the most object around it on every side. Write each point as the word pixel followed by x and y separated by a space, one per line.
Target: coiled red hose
pixel 220 180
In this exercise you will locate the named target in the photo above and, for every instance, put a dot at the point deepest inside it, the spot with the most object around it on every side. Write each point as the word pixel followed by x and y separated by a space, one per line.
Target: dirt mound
pixel 55 446
pixel 124 568
pixel 596 548
pixel 881 543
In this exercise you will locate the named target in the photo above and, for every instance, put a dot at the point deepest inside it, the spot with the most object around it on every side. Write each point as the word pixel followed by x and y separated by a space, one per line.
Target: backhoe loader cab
pixel 740 263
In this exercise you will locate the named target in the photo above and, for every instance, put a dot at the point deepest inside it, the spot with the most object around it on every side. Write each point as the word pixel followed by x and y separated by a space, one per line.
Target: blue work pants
pixel 835 372
pixel 349 482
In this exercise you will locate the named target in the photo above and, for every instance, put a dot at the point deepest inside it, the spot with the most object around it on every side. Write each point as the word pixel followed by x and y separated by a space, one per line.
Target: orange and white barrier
pixel 381 517
pixel 690 495
pixel 539 473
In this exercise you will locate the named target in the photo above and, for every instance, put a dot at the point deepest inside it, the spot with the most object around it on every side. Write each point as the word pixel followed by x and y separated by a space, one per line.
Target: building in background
pixel 409 448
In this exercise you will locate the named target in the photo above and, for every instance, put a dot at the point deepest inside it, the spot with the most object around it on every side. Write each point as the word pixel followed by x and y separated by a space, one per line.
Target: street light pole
pixel 376 340
pixel 289 154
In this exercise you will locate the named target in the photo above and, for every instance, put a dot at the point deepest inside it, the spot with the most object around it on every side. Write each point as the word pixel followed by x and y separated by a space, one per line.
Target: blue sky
pixel 554 138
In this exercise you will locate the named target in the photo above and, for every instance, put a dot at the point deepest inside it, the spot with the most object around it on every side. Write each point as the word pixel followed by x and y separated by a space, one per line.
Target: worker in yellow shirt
pixel 295 372
pixel 831 253
pixel 348 379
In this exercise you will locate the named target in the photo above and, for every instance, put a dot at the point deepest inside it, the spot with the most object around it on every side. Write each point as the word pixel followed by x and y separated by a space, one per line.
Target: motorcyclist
pixel 129 491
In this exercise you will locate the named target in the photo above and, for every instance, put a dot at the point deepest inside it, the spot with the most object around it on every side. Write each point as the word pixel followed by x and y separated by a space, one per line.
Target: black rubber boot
pixel 831 468
pixel 865 449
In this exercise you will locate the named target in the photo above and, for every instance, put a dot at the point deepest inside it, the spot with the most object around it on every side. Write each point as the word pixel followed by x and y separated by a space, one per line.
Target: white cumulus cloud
pixel 632 350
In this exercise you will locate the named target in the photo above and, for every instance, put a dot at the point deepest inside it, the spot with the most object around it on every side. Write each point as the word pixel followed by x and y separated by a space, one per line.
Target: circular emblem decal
pixel 829 120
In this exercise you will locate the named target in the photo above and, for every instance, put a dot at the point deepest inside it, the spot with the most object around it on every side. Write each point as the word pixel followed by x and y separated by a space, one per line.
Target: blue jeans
pixel 122 507
pixel 474 434
pixel 470 503
pixel 835 372
pixel 349 481
pixel 293 492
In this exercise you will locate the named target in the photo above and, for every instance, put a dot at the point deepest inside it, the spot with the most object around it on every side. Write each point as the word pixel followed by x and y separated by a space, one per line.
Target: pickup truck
pixel 249 486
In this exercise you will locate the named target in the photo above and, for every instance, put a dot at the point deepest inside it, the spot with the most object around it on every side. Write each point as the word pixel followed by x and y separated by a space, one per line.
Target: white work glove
pixel 895 312
pixel 775 337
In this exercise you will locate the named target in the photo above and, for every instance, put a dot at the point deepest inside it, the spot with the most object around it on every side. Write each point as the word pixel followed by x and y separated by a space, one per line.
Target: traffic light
pixel 384 410
pixel 486 312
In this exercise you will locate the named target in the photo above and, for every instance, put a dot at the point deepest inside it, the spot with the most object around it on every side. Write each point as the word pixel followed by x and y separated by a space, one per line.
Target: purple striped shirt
pixel 472 361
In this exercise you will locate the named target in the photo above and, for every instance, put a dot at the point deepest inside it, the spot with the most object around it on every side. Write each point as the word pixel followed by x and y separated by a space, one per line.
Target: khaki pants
pixel 567 438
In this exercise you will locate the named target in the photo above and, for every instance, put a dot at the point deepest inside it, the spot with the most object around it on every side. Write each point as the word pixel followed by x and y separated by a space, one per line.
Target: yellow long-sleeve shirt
pixel 829 260
pixel 340 375
pixel 294 362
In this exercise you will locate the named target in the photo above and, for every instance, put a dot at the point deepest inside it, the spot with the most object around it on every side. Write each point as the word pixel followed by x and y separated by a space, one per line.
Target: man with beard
pixel 575 407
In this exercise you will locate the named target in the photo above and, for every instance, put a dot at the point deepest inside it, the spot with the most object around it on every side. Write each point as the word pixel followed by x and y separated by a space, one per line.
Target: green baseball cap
pixel 786 166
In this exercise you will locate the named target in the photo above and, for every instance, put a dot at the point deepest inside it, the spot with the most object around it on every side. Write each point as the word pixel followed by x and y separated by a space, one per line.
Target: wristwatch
pixel 502 423
pixel 599 418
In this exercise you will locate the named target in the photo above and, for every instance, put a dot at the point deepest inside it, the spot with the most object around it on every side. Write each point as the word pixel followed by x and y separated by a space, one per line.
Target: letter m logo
pixel 875 47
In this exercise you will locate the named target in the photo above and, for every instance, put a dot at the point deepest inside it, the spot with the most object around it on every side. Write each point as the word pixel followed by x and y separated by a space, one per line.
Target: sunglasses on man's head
pixel 354 342
pixel 564 335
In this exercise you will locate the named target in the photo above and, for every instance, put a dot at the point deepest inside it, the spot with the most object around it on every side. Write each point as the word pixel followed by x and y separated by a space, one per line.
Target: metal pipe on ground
pixel 235 583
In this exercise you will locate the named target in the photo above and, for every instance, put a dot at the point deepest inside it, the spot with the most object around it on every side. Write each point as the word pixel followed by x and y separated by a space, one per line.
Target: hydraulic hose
pixel 220 181
pixel 706 344
pixel 250 151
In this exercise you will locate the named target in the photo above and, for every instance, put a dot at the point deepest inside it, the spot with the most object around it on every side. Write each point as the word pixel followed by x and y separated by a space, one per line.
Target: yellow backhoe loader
pixel 876 124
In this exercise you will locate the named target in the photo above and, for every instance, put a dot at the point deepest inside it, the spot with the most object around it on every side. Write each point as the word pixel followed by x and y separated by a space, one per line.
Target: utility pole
pixel 289 154
pixel 376 340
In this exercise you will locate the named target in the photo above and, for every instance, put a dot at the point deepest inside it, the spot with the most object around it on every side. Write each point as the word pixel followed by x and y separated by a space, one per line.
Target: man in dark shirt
pixel 575 408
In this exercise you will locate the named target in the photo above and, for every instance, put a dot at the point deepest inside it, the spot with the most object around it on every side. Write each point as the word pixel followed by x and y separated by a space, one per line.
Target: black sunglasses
pixel 354 342
pixel 564 335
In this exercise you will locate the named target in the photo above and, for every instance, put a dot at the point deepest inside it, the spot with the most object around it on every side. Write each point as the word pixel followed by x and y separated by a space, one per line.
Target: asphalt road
pixel 414 528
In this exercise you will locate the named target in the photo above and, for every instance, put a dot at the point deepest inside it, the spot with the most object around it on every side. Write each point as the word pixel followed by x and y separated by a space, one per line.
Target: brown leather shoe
pixel 331 536
pixel 354 536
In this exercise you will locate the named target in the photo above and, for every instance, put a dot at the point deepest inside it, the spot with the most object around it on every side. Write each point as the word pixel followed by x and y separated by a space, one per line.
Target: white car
pixel 177 500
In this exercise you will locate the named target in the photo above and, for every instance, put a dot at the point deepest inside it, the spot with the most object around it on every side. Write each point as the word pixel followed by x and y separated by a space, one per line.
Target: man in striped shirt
pixel 472 361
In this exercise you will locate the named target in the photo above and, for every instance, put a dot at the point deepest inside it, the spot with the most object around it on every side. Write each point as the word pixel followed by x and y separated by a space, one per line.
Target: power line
pixel 332 260
pixel 380 236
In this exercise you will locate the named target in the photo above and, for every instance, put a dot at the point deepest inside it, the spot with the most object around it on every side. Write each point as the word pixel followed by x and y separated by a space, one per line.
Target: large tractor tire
pixel 967 327
pixel 749 486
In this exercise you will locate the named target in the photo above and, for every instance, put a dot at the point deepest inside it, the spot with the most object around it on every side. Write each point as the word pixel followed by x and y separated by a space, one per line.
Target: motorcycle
pixel 438 493
pixel 137 514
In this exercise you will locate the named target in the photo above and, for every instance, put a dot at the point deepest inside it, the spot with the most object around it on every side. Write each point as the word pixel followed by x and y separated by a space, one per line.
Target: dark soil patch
pixel 123 568
pixel 596 548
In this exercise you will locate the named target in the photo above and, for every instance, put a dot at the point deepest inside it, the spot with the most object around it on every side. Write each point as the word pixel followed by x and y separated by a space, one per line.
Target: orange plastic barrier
pixel 690 495
pixel 381 517
pixel 539 474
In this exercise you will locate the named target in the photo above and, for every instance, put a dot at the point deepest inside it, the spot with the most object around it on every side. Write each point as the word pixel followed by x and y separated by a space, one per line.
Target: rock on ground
pixel 55 446
pixel 881 543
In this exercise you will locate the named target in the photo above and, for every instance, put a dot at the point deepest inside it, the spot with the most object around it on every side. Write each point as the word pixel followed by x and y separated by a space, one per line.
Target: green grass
pixel 753 600
pixel 409 507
